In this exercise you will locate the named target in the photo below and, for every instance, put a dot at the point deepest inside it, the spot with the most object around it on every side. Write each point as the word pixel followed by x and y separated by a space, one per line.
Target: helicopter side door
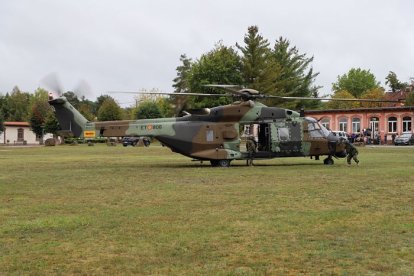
pixel 286 138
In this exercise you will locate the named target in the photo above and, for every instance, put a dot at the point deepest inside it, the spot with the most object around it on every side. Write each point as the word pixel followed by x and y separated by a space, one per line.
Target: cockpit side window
pixel 315 130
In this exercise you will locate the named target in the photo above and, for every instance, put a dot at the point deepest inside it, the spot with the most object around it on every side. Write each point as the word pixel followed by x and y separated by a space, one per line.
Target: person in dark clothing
pixel 352 153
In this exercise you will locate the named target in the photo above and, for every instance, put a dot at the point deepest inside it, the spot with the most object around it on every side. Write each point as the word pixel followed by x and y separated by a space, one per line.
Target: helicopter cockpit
pixel 316 129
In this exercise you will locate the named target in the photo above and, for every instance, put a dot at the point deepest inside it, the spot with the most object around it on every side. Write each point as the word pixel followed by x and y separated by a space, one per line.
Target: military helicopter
pixel 213 134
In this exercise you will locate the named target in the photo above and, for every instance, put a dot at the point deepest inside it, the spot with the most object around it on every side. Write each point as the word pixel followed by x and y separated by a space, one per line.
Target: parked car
pixel 341 134
pixel 130 141
pixel 133 141
pixel 404 139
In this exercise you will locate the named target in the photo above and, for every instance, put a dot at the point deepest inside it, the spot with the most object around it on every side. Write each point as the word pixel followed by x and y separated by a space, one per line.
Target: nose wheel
pixel 328 161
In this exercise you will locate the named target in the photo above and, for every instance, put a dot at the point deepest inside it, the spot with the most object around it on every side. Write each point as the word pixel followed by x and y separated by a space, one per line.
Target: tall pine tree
pixel 296 76
pixel 257 65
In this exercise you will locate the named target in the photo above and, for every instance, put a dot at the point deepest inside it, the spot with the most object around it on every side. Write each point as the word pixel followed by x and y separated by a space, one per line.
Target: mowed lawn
pixel 116 210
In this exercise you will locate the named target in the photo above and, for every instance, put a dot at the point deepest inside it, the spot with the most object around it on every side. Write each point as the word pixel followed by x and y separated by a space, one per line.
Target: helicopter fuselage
pixel 220 133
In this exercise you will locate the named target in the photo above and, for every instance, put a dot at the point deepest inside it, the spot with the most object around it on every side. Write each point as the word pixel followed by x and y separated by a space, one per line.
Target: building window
pixel 326 122
pixel 20 134
pixel 374 124
pixel 356 125
pixel 392 124
pixel 406 124
pixel 343 124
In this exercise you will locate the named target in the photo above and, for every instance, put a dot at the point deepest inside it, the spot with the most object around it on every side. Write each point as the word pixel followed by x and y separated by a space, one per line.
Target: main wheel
pixel 224 163
pixel 214 163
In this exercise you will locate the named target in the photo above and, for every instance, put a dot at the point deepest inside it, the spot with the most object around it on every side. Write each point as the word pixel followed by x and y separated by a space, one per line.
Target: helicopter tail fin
pixel 70 119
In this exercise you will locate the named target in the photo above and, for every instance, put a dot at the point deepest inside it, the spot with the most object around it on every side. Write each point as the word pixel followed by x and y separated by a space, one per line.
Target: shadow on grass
pixel 206 164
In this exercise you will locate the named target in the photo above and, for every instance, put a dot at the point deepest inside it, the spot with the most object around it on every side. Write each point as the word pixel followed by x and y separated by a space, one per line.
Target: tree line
pixel 276 68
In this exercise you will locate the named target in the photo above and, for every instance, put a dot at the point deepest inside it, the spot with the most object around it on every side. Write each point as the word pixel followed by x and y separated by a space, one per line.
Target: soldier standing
pixel 251 146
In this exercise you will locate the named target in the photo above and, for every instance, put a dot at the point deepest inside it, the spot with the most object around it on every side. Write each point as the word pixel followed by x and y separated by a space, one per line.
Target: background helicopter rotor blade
pixel 52 84
pixel 83 90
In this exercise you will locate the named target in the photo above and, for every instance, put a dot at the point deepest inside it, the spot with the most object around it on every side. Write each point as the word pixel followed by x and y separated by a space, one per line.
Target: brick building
pixel 385 122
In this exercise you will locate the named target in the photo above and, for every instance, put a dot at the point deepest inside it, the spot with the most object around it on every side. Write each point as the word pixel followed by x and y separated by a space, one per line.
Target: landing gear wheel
pixel 224 163
pixel 328 161
pixel 214 163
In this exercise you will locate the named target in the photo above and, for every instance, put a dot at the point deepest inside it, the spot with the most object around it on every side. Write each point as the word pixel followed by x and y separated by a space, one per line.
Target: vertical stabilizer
pixel 70 119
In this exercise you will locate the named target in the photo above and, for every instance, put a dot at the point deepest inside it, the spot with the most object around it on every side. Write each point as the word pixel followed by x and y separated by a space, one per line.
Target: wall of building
pixel 386 126
pixel 10 135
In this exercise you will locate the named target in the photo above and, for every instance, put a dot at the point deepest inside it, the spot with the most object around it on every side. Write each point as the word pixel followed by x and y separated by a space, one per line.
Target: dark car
pixel 133 141
pixel 404 139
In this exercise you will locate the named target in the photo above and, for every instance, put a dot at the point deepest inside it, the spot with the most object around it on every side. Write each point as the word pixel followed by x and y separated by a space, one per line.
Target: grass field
pixel 116 210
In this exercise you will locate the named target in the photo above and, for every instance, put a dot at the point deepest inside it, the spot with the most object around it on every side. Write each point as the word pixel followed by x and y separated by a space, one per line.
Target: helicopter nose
pixel 337 148
pixel 332 138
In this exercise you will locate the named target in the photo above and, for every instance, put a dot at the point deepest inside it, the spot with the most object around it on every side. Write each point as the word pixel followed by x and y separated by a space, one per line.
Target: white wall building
pixel 19 133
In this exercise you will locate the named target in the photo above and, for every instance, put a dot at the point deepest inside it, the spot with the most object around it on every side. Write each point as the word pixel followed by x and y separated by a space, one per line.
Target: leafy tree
pixel 220 66
pixel 1 122
pixel 356 82
pixel 17 106
pixel 99 101
pixel 109 111
pixel 409 100
pixel 51 124
pixel 181 84
pixel 72 98
pixel 2 104
pixel 4 108
pixel 373 94
pixel 181 81
pixel 342 104
pixel 39 110
pixel 393 82
pixel 148 110
pixel 164 105
pixel 86 108
pixel 38 116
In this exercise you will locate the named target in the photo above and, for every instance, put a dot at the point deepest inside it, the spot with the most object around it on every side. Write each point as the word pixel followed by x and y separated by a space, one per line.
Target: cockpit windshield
pixel 315 129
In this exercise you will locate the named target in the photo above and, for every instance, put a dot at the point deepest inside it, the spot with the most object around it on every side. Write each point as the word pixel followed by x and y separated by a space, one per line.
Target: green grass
pixel 116 210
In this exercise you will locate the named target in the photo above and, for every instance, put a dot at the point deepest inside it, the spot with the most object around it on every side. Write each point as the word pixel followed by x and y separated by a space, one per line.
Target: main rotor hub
pixel 248 94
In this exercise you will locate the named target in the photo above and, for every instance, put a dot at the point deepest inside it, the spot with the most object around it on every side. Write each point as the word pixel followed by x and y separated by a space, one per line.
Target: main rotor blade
pixel 171 94
pixel 250 95
pixel 331 99
pixel 230 87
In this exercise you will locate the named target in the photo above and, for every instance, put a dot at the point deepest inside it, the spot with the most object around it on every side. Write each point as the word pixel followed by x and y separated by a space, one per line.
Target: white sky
pixel 136 44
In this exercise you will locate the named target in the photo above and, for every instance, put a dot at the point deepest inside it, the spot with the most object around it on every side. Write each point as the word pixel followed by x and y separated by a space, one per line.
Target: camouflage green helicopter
pixel 214 134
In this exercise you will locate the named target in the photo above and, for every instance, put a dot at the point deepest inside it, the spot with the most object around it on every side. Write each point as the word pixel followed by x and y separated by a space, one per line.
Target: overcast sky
pixel 136 44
